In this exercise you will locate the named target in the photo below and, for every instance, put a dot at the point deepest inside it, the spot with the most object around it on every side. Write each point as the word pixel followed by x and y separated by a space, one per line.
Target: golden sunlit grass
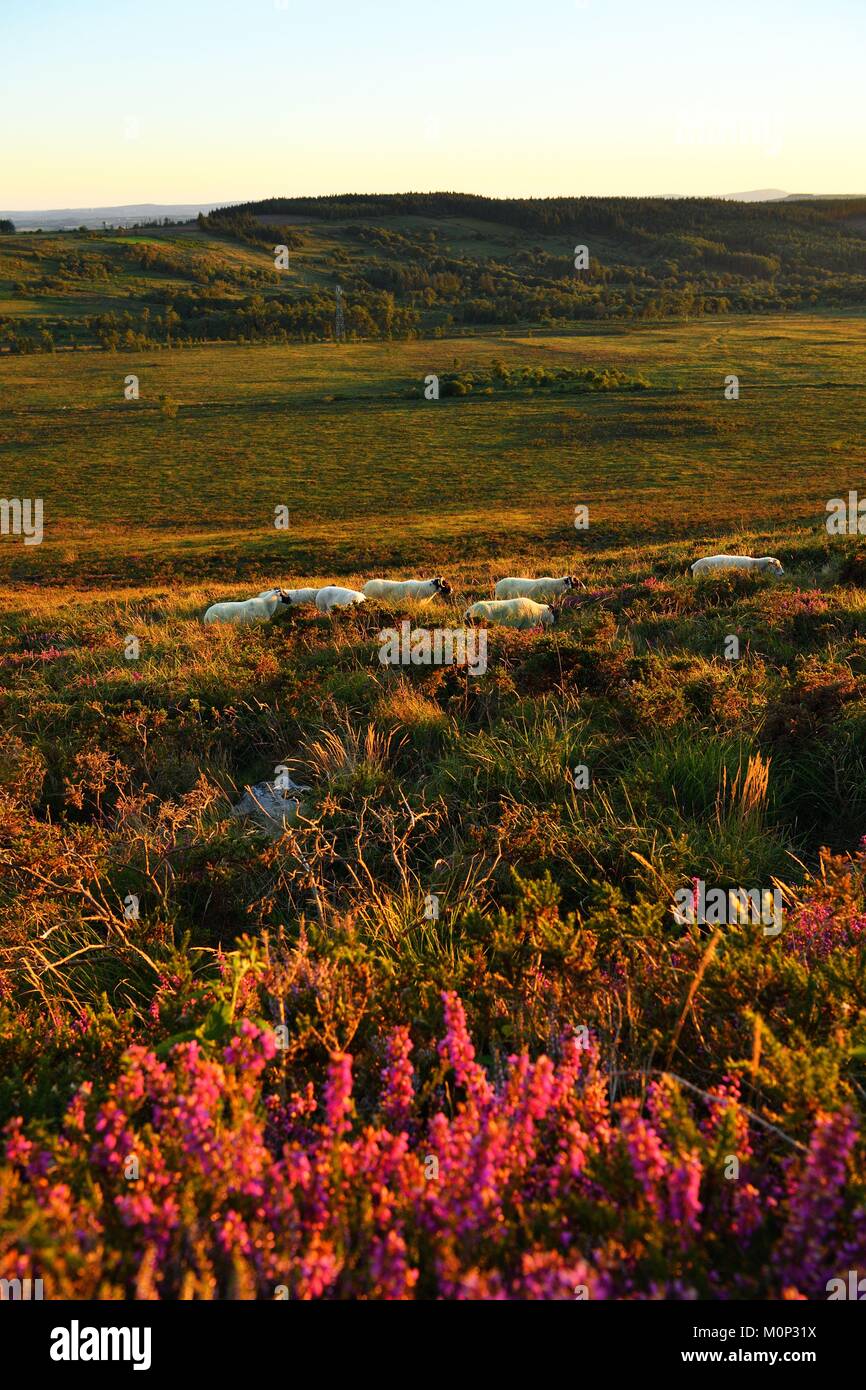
pixel 372 479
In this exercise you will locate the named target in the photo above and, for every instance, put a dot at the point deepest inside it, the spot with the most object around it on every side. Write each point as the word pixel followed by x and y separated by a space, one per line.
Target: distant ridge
pixel 130 214
pixel 124 214
pixel 778 195
pixel 760 195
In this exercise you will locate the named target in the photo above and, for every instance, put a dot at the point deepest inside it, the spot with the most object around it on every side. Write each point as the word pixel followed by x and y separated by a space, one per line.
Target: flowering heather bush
pixel 831 918
pixel 816 930
pixel 207 1176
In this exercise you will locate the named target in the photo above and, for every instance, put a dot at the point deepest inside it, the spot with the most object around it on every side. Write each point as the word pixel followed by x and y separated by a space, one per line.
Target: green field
pixel 375 476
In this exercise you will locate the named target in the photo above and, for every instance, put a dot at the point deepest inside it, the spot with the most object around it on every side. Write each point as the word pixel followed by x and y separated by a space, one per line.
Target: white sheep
pixel 396 590
pixel 511 612
pixel 296 596
pixel 332 596
pixel 540 590
pixel 767 564
pixel 252 610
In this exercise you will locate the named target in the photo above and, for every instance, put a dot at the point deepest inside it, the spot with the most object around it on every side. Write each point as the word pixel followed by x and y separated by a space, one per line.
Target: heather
pixel 533 1185
pixel 282 1077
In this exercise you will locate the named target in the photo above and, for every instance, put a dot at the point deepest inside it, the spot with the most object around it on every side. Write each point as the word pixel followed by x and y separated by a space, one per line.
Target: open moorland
pixel 444 1035
pixel 633 423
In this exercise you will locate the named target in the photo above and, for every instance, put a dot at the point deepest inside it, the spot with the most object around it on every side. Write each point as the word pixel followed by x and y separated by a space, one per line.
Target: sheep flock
pixel 518 602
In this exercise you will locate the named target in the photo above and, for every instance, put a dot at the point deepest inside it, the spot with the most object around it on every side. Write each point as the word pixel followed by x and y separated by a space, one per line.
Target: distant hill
pixel 777 195
pixel 425 264
pixel 757 195
pixel 745 223
pixel 123 215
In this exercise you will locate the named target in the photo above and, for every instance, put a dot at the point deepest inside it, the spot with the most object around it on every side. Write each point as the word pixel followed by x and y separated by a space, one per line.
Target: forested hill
pixel 614 216
pixel 424 264
pixel 474 261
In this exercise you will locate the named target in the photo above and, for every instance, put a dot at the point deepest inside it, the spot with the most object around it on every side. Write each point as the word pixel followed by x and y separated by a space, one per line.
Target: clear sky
pixel 122 101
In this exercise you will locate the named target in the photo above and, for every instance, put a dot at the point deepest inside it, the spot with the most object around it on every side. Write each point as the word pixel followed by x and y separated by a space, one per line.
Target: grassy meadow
pixel 373 473
pixel 583 1065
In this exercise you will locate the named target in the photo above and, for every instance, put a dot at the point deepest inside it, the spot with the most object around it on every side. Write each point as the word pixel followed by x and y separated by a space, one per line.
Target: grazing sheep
pixel 252 610
pixel 767 564
pixel 398 589
pixel 332 596
pixel 512 612
pixel 541 590
pixel 296 596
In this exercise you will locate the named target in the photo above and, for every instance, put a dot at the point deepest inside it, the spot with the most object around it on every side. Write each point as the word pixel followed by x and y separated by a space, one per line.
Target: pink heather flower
pixel 456 1047
pixel 18 1149
pixel 813 932
pixel 397 1079
pixel 540 1187
pixel 545 1274
pixel 338 1095
pixel 646 1153
pixel 391 1273
pixel 75 1119
pixel 749 1207
pixel 232 1235
pixel 138 1209
pixel 318 1269
pixel 251 1049
pixel 684 1203
pixel 808 1254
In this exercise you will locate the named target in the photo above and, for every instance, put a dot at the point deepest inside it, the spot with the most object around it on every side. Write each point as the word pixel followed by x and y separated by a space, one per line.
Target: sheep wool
pixel 396 590
pixel 252 610
pixel 766 564
pixel 511 612
pixel 297 596
pixel 332 596
pixel 541 590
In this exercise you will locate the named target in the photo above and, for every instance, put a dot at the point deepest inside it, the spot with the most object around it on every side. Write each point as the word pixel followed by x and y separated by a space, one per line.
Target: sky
pixel 125 101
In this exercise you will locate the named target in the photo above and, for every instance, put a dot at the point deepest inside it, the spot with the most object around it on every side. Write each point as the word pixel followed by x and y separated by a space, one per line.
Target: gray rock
pixel 269 806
